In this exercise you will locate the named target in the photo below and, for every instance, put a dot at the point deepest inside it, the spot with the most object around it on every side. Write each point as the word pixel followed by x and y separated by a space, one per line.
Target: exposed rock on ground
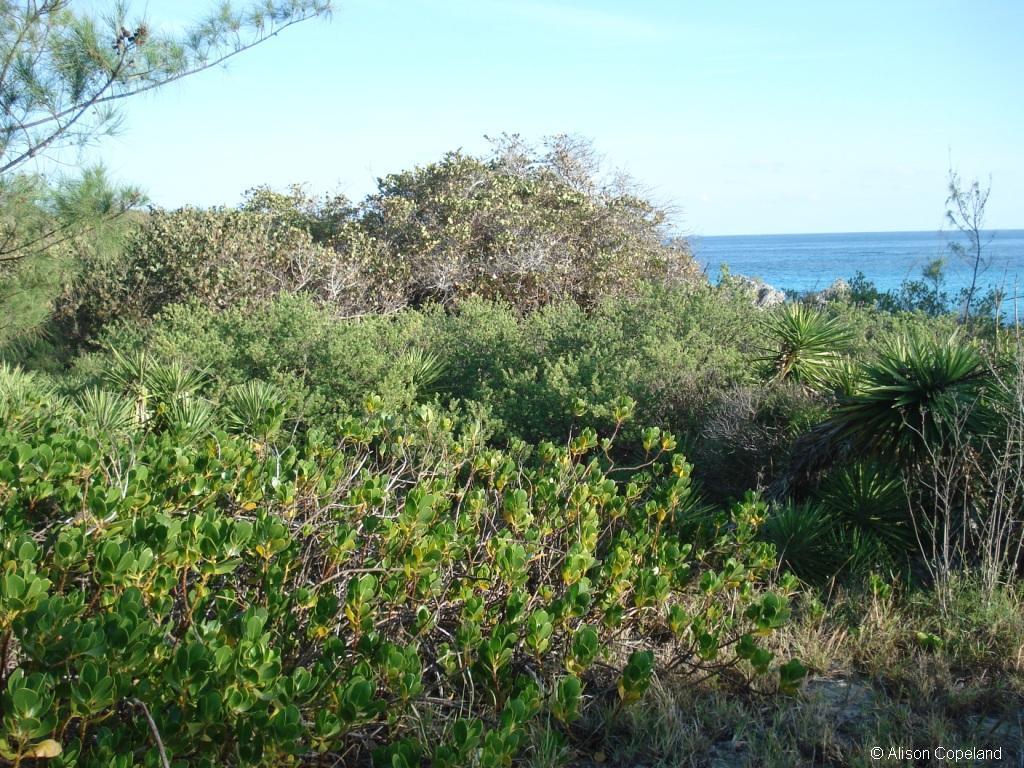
pixel 840 289
pixel 765 296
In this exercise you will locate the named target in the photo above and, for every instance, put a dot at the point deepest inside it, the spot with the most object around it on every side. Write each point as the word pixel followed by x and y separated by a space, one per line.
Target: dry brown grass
pixel 873 682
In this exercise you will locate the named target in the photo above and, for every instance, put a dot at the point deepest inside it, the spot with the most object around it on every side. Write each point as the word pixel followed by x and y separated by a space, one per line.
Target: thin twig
pixel 152 728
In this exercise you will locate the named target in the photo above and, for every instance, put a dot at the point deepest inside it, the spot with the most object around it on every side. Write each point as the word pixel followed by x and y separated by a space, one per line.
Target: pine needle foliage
pixel 63 72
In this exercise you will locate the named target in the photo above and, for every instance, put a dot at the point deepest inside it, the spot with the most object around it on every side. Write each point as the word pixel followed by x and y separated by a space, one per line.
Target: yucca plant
pixel 869 505
pixel 425 369
pixel 18 385
pixel 803 539
pixel 255 408
pixel 188 418
pixel 805 343
pixel 105 413
pixel 921 395
pixel 13 378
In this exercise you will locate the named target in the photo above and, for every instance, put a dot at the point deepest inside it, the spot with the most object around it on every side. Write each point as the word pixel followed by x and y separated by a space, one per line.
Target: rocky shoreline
pixel 765 296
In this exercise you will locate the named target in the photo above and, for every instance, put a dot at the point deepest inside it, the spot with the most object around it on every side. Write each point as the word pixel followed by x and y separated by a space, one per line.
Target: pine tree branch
pixel 172 78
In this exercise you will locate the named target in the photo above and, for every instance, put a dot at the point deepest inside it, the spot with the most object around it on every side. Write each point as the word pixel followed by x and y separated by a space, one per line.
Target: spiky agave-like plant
pixel 845 377
pixel 869 505
pixel 805 344
pixel 920 396
pixel 254 408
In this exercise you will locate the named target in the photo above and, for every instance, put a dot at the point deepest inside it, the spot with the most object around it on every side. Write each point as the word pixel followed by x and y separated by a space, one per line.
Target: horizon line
pixel 992 230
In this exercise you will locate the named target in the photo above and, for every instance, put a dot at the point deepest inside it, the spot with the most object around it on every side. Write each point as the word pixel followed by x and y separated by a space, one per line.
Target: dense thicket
pixel 309 481
pixel 523 226
pixel 267 600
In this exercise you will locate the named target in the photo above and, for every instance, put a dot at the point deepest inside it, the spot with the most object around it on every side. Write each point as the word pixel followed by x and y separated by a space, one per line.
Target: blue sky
pixel 744 117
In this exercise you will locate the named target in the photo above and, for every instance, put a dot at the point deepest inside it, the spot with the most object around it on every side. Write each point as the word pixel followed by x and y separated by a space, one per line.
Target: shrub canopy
pixel 269 602
pixel 519 226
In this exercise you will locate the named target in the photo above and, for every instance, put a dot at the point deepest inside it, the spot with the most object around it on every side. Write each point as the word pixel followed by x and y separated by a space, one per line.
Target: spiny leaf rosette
pixel 805 344
pixel 919 398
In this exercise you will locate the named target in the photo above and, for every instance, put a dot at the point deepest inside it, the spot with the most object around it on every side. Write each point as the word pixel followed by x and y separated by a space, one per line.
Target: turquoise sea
pixel 812 262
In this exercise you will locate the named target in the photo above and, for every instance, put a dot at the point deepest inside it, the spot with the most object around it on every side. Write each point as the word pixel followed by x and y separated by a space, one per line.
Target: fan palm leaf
pixel 870 499
pixel 803 539
pixel 104 412
pixel 23 396
pixel 173 381
pixel 188 418
pixel 425 369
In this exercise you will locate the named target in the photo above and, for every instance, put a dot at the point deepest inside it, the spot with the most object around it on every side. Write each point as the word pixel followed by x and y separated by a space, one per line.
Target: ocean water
pixel 812 262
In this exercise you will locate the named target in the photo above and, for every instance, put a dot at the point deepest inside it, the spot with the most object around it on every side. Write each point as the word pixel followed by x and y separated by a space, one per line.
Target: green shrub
pixel 519 225
pixel 403 589
pixel 684 356
pixel 670 350
pixel 216 257
pixel 320 366
pixel 522 226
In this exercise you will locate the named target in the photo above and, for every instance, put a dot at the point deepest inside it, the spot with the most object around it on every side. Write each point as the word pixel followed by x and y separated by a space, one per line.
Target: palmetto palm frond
pixel 188 418
pixel 803 539
pixel 127 372
pixel 23 395
pixel 870 498
pixel 173 381
pixel 425 369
